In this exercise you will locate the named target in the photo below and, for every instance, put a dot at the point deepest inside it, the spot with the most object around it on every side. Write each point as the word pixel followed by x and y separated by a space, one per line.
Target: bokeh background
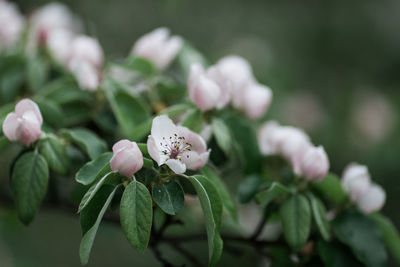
pixel 334 68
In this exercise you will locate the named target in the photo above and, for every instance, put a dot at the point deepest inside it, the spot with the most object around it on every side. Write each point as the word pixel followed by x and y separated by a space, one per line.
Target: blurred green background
pixel 334 68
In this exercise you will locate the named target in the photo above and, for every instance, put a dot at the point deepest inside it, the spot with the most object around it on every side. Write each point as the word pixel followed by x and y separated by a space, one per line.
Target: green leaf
pixel 331 188
pixel 94 169
pixel 227 201
pixel 249 187
pixel 319 214
pixel 363 236
pixel 212 208
pixel 295 215
pixel 194 121
pixel 124 105
pixel 169 197
pixel 37 71
pixel 141 65
pixel 90 233
pixel 51 111
pixel 274 191
pixel 147 163
pixel 189 55
pixel 222 135
pixel 93 190
pixel 334 254
pixel 86 140
pixel 390 234
pixel 143 148
pixel 136 213
pixel 4 142
pixel 55 154
pixel 29 182
pixel 176 110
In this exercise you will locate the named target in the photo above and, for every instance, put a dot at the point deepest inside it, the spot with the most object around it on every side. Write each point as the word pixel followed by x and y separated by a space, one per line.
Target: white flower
pixel 356 180
pixel 59 45
pixel 87 49
pixel 256 100
pixel 372 200
pixel 87 75
pixel 158 47
pixel 176 146
pixel 315 164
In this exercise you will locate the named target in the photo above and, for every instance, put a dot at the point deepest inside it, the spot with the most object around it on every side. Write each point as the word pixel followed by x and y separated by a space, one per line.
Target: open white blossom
pixel 176 146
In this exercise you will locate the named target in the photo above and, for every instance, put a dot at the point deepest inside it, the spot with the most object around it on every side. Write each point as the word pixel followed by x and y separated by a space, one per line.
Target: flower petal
pixel 124 143
pixel 162 127
pixel 11 125
pixel 176 166
pixel 28 105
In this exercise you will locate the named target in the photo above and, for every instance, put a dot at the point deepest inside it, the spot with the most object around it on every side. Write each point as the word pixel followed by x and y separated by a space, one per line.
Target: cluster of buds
pixel 368 196
pixel 230 80
pixel 293 144
pixel 11 25
pixel 55 27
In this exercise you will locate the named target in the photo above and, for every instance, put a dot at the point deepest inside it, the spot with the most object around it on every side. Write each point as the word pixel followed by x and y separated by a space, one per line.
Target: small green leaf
pixel 274 191
pixel 29 182
pixel 37 71
pixel 92 191
pixel 94 169
pixel 176 110
pixel 295 214
pixel 124 105
pixel 334 254
pixel 90 233
pixel 249 187
pixel 141 65
pixel 86 140
pixel 147 163
pixel 227 201
pixel 212 208
pixel 143 149
pixel 390 235
pixel 136 213
pixel 222 135
pixel 363 236
pixel 331 188
pixel 189 55
pixel 169 197
pixel 55 154
pixel 194 120
pixel 319 214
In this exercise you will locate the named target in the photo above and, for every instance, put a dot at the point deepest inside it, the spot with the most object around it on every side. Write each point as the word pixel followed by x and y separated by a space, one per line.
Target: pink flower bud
pixel 11 25
pixel 87 75
pixel 59 45
pixel 158 47
pixel 127 158
pixel 256 100
pixel 356 180
pixel 268 137
pixel 87 49
pixel 315 164
pixel 203 91
pixel 24 125
pixel 372 200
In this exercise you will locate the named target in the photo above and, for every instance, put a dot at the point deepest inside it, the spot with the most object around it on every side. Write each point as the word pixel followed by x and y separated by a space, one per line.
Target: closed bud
pixel 372 200
pixel 11 25
pixel 24 125
pixel 356 180
pixel 87 49
pixel 158 47
pixel 59 45
pixel 203 91
pixel 87 75
pixel 256 100
pixel 315 164
pixel 127 158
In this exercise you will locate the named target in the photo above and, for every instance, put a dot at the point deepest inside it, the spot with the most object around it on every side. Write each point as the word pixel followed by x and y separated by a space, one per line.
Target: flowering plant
pixel 182 131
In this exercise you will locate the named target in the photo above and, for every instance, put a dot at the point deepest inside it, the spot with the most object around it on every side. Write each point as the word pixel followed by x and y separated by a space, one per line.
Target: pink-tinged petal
pixel 29 132
pixel 162 127
pixel 224 84
pixel 154 150
pixel 127 160
pixel 28 105
pixel 267 138
pixel 124 143
pixel 87 49
pixel 171 49
pixel 354 171
pixel 372 200
pixel 11 125
pixel 315 164
pixel 195 140
pixel 86 74
pixel 205 93
pixel 191 159
pixel 176 166
pixel 357 187
pixel 257 99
